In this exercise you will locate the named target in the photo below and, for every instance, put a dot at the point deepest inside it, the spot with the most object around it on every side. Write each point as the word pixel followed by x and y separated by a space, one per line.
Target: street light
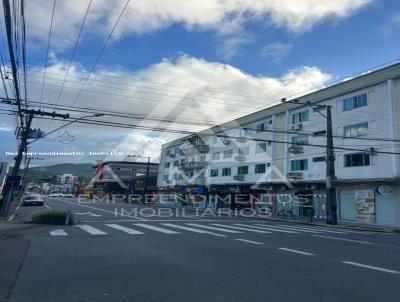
pixel 67 124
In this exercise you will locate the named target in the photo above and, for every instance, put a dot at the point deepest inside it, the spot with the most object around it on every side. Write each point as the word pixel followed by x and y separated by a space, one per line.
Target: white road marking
pixel 47 206
pixel 241 228
pixel 342 239
pixel 192 229
pixel 386 270
pixel 102 210
pixel 249 241
pixel 124 229
pixel 154 228
pixel 267 228
pixel 295 251
pixel 91 230
pixel 313 229
pixel 58 233
pixel 88 213
pixel 214 228
pixel 293 229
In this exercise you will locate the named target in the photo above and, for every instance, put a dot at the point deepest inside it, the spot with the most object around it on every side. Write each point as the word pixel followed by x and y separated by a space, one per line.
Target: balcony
pixel 189 148
pixel 193 165
pixel 238 177
pixel 240 158
pixel 295 175
pixel 297 127
pixel 296 149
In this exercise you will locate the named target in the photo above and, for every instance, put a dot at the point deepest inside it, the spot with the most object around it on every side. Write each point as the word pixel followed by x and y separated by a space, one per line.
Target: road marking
pixel 154 228
pixel 124 229
pixel 386 270
pixel 214 228
pixel 249 241
pixel 295 251
pixel 343 239
pixel 294 229
pixel 91 230
pixel 313 229
pixel 88 213
pixel 241 228
pixel 81 205
pixel 192 229
pixel 47 206
pixel 58 233
pixel 267 228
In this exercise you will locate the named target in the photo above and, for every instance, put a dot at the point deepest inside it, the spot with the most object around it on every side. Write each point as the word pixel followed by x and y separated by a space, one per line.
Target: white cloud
pixel 221 16
pixel 276 51
pixel 388 29
pixel 185 89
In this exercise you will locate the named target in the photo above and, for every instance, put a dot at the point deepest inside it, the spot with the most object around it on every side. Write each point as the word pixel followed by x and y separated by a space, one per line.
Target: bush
pixel 52 217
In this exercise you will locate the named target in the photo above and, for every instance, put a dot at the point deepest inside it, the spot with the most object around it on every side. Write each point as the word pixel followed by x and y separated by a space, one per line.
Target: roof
pixel 125 163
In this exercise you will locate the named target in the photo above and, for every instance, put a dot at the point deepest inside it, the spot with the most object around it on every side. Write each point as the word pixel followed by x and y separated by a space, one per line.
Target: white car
pixel 32 200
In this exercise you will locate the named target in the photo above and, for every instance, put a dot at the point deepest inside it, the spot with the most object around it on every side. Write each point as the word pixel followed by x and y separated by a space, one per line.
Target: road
pixel 188 258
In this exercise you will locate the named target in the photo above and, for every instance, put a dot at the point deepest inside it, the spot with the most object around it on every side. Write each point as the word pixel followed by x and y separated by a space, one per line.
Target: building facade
pixel 279 153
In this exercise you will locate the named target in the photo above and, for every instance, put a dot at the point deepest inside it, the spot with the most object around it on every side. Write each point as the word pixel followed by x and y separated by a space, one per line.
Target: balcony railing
pixel 239 177
pixel 296 149
pixel 295 175
pixel 193 165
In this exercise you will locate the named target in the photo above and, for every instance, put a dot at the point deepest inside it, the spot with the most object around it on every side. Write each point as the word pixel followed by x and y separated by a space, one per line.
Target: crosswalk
pixel 209 228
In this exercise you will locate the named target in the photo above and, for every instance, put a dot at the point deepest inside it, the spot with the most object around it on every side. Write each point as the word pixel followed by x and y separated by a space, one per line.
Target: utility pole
pixel 331 205
pixel 13 179
pixel 25 176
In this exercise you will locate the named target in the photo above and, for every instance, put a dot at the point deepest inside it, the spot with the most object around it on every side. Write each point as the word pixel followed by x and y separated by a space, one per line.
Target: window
pixel 261 127
pixel 215 156
pixel 300 140
pixel 245 132
pixel 299 165
pixel 176 176
pixel 244 151
pixel 227 153
pixel 355 130
pixel 242 170
pixel 356 160
pixel 299 117
pixel 261 147
pixel 166 165
pixel 268 164
pixel 177 150
pixel 319 159
pixel 214 172
pixel 226 171
pixel 183 161
pixel 168 152
pixel 202 158
pixel 355 102
pixel 259 168
pixel 215 140
pixel 176 163
pixel 165 177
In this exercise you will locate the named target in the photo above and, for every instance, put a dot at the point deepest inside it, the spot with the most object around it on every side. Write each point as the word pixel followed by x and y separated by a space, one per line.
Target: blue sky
pixel 271 49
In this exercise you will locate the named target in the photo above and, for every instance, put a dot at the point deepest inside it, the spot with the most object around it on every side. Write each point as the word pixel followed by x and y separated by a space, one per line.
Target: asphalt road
pixel 141 257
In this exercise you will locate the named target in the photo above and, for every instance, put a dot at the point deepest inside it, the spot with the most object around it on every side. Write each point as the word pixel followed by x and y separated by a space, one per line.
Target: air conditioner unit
pixel 226 141
pixel 297 127
pixel 296 149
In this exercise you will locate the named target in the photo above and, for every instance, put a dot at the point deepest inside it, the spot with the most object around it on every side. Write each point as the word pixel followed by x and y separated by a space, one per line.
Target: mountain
pixel 45 172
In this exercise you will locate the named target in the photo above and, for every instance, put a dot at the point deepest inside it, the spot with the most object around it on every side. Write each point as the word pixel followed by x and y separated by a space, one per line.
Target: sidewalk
pixel 299 220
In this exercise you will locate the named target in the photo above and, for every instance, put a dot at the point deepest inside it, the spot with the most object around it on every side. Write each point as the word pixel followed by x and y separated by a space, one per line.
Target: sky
pixel 198 61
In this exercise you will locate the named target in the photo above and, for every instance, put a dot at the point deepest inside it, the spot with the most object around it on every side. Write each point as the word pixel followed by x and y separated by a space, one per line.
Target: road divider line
pixel 241 228
pixel 249 241
pixel 342 239
pixel 267 228
pixel 47 206
pixel 154 228
pixel 386 270
pixel 295 251
pixel 192 229
pixel 91 230
pixel 214 228
pixel 102 210
pixel 290 228
pixel 58 233
pixel 124 229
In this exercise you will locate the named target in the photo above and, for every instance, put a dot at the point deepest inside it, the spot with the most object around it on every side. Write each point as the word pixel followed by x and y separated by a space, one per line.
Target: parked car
pixel 32 200
pixel 69 195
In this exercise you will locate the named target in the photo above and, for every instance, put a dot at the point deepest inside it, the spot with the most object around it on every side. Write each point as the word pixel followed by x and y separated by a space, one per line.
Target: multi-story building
pixel 281 150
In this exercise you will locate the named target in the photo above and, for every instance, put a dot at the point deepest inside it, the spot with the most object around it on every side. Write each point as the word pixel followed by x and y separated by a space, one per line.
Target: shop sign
pixel 365 206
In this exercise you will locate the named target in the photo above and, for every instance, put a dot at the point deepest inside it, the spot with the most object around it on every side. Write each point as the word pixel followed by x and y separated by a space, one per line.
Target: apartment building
pixel 280 152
